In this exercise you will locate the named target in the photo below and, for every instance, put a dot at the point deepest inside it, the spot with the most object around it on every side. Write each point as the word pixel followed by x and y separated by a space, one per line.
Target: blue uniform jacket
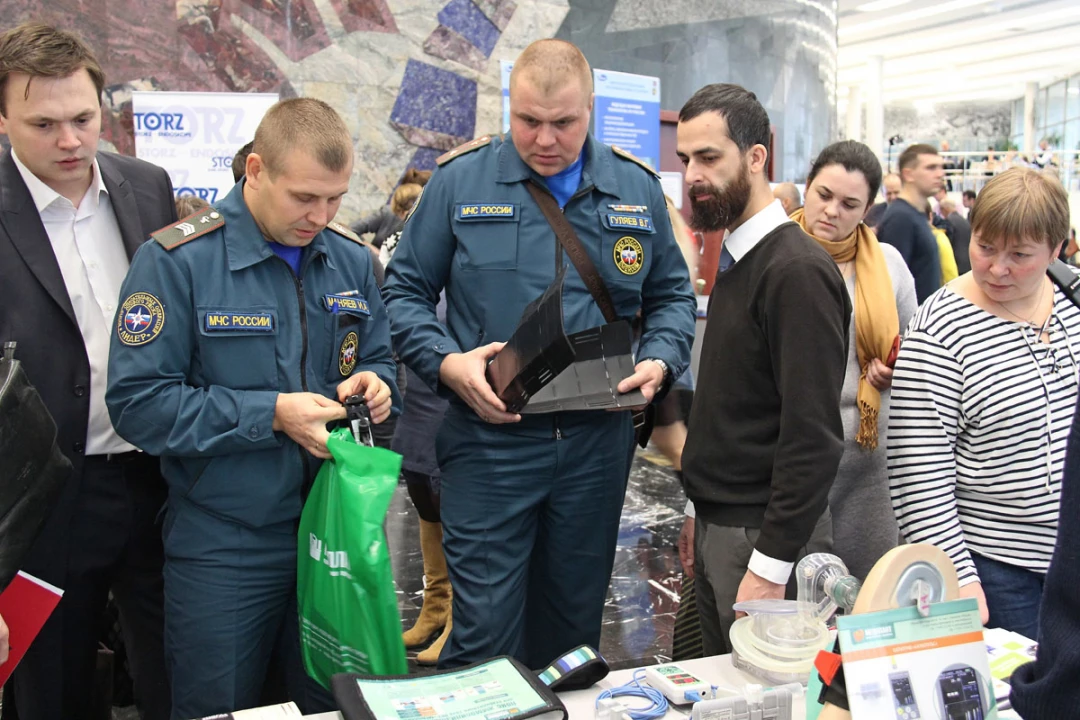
pixel 477 232
pixel 207 335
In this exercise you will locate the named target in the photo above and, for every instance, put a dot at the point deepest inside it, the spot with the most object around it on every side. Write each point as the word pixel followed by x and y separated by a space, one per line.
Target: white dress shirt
pixel 738 243
pixel 90 252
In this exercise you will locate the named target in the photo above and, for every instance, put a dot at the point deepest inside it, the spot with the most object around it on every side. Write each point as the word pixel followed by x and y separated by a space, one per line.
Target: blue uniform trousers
pixel 530 525
pixel 230 604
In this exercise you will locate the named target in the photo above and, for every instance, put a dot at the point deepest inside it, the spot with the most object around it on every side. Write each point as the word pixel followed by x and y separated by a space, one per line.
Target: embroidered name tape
pixel 493 211
pixel 232 321
pixel 615 221
pixel 347 303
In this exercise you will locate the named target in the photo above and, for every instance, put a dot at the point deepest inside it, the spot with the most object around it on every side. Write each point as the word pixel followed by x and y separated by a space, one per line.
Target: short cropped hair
pixel 1021 204
pixel 853 156
pixel 40 50
pixel 789 192
pixel 404 197
pixel 239 161
pixel 747 121
pixel 910 157
pixel 304 123
pixel 969 194
pixel 548 63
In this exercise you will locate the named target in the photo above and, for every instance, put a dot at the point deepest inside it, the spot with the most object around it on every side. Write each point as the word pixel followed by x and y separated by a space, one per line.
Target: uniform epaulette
pixel 637 161
pixel 345 232
pixel 193 226
pixel 462 149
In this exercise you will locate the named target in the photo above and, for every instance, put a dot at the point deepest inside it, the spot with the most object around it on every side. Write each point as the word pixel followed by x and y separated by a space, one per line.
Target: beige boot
pixel 435 610
pixel 431 655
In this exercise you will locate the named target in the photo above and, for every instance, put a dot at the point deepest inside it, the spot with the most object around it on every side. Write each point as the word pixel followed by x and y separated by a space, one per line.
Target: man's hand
pixel 975 590
pixel 879 375
pixel 648 376
pixel 686 547
pixel 755 587
pixel 376 393
pixel 303 417
pixel 465 374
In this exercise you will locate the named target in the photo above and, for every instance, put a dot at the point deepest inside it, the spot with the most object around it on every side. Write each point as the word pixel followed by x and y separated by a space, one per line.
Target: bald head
pixel 891 184
pixel 549 65
pixel 789 197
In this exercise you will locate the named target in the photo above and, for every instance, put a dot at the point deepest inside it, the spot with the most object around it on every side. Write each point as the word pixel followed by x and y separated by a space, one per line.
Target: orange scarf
pixel 876 321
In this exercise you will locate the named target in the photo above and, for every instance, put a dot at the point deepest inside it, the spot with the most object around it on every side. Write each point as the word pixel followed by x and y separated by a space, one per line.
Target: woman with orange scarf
pixel 840 189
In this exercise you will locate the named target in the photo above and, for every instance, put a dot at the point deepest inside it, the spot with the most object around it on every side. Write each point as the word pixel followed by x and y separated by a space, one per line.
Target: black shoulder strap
pixel 564 231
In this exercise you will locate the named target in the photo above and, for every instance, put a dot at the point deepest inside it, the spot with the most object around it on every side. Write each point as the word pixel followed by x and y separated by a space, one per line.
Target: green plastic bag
pixel 349 619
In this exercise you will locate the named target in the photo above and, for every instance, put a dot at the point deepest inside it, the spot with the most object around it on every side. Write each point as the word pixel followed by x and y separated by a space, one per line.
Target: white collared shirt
pixel 750 233
pixel 738 243
pixel 90 252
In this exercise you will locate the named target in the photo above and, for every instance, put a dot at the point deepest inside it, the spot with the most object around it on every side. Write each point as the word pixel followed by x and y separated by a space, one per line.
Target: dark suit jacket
pixel 36 312
pixel 961 239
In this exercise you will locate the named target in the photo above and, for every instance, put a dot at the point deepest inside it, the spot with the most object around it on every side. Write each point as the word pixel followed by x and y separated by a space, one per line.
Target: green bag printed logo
pixel 336 560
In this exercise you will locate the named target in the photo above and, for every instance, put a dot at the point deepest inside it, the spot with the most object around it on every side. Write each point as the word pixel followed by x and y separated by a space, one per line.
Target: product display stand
pixel 890 585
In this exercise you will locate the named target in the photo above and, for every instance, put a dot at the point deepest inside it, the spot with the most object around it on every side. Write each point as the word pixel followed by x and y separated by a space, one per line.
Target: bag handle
pixel 566 236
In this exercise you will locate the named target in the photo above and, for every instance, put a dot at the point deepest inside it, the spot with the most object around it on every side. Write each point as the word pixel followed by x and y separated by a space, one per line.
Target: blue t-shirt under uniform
pixel 565 183
pixel 289 254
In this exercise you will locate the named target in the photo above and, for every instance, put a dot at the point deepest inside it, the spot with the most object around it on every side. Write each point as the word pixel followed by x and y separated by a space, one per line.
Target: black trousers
pixel 114 544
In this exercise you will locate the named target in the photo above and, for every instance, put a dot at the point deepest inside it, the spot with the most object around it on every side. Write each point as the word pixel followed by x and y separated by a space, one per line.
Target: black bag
pixel 645 419
pixel 33 471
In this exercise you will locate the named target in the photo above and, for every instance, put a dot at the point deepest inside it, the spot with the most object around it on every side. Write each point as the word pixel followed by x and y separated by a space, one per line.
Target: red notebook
pixel 25 605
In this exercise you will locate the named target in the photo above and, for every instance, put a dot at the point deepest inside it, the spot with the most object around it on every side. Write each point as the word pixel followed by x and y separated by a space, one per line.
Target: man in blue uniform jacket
pixel 531 506
pixel 239 331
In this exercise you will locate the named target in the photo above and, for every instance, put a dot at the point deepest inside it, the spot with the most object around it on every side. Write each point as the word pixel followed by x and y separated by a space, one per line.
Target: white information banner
pixel 194 136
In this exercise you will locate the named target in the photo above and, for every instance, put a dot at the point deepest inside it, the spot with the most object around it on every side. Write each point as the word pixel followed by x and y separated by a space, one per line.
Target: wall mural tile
pixel 466 19
pixel 360 15
pixel 435 108
pixel 498 12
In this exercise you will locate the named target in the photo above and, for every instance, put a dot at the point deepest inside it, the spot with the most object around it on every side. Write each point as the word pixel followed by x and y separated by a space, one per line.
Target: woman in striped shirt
pixel 983 397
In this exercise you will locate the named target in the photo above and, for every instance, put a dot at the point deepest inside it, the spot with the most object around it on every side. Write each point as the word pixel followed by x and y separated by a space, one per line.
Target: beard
pixel 723 206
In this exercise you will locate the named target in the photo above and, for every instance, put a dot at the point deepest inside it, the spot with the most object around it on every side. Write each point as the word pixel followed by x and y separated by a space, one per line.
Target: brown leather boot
pixel 431 655
pixel 435 610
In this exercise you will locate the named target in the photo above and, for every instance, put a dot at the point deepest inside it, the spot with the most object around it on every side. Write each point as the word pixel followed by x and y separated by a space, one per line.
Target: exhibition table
pixel 717 670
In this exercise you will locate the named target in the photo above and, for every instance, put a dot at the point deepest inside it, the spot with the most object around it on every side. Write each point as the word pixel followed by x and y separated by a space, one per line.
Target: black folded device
pixel 33 471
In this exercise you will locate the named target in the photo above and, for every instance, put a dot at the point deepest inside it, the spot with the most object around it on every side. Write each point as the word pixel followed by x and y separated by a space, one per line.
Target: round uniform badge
pixel 140 320
pixel 629 255
pixel 347 354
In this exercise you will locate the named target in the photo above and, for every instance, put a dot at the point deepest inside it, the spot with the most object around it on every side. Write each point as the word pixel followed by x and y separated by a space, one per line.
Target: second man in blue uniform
pixel 531 505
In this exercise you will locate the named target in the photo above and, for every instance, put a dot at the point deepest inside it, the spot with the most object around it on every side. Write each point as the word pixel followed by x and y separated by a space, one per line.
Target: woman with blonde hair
pixel 983 398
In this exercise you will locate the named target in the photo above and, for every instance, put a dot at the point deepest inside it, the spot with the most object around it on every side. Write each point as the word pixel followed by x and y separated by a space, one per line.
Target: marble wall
pixel 413 78
pixel 782 50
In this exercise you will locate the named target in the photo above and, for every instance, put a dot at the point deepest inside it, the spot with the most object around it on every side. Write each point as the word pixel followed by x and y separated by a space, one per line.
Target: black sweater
pixel 1049 688
pixel 765 431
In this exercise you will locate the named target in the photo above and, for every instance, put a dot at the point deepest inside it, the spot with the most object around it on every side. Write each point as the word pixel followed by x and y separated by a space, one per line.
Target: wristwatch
pixel 663 367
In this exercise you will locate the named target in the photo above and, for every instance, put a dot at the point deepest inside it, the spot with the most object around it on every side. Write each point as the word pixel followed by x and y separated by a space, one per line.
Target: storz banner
pixel 194 136
pixel 627 113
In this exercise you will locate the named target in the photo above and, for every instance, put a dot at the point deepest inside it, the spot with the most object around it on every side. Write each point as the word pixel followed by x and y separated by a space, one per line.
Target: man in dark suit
pixel 70 220
pixel 961 237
